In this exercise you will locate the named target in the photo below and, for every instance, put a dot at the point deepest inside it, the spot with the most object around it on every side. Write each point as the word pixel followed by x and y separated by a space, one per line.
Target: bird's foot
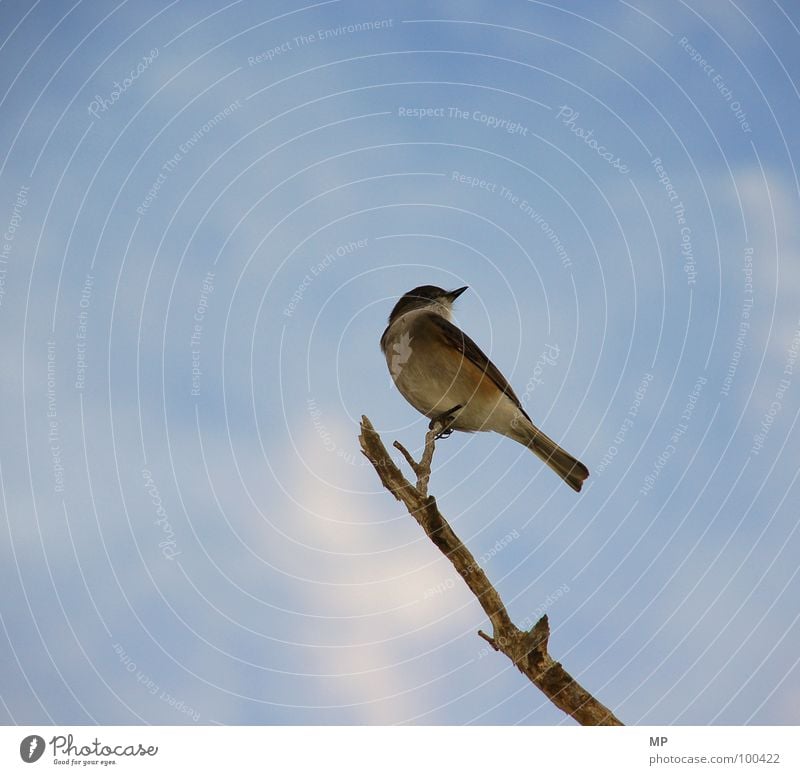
pixel 443 422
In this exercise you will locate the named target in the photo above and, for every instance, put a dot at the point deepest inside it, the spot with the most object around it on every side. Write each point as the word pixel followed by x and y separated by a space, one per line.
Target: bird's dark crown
pixel 422 296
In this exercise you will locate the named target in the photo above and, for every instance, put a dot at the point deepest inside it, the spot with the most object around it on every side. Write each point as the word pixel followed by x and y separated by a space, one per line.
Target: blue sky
pixel 208 212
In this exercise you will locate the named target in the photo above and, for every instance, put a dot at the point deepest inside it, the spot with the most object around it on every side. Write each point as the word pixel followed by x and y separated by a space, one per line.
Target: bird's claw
pixel 443 422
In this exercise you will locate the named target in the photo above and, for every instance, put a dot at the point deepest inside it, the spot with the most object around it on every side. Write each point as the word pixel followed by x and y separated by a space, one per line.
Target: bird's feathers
pixel 454 337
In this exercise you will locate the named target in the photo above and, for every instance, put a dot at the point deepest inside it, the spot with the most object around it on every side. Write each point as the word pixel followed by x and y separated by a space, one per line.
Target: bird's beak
pixel 453 295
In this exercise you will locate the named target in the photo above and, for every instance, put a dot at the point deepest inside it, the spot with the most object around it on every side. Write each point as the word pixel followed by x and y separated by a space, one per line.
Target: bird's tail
pixel 572 471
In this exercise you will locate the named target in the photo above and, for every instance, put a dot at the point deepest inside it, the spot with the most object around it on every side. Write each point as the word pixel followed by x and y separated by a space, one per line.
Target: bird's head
pixel 427 297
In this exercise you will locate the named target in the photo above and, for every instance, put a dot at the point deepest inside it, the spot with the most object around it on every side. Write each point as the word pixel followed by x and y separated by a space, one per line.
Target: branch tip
pixel 491 641
pixel 415 467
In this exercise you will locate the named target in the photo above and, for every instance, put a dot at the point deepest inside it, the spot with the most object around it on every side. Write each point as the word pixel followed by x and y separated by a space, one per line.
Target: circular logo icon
pixel 31 748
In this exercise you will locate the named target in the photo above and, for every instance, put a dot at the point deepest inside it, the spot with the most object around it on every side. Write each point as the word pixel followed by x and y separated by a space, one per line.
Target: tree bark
pixel 526 649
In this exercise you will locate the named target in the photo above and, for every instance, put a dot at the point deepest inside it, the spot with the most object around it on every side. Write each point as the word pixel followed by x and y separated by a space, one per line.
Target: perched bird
pixel 444 375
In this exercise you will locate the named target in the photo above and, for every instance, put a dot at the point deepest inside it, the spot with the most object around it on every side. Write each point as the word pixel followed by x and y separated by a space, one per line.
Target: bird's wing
pixel 457 339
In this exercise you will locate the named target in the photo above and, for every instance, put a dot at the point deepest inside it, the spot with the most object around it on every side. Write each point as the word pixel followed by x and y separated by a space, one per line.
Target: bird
pixel 445 376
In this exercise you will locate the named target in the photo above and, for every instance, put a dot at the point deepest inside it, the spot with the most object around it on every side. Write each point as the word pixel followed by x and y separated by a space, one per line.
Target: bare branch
pixel 422 470
pixel 488 639
pixel 415 467
pixel 526 649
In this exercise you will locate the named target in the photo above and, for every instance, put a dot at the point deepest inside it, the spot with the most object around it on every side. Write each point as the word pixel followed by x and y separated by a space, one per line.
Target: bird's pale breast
pixel 434 377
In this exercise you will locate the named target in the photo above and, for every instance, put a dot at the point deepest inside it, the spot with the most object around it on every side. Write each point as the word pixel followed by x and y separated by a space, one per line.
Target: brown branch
pixel 526 649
